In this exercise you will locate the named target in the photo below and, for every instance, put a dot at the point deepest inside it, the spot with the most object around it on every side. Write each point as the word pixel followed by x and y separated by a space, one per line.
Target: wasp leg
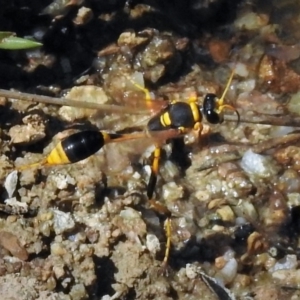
pixel 154 170
pixel 33 165
pixel 157 206
pixel 167 227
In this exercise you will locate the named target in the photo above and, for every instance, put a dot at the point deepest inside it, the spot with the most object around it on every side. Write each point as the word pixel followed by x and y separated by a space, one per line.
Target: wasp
pixel 174 120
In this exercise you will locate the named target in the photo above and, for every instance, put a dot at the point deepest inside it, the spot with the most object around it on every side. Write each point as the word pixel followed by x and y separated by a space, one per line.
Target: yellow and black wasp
pixel 174 120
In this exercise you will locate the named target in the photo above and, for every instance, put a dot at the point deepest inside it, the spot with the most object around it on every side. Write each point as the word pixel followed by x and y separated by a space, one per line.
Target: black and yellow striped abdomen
pixel 77 147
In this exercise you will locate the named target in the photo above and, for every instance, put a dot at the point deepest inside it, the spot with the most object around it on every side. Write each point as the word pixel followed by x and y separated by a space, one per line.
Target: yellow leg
pixel 156 159
pixel 33 165
pixel 157 206
pixel 168 228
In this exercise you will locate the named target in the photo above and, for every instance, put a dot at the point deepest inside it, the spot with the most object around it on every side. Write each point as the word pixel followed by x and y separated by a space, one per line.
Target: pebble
pixel 287 278
pixel 251 21
pixel 59 271
pixel 289 262
pixel 229 271
pixel 152 243
pixel 256 164
pixel 219 50
pixel 11 243
pixel 226 213
pixel 10 183
pixel 58 249
pixel 62 221
pixel 26 134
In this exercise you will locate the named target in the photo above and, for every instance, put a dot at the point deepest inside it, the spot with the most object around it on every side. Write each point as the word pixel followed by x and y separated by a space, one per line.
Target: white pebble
pixel 241 69
pixel 289 262
pixel 11 182
pixel 147 170
pixel 246 85
pixel 130 214
pixel 229 254
pixel 62 181
pixel 13 202
pixel 136 175
pixel 228 272
pixel 191 271
pixel 171 191
pixel 254 163
pixel 152 243
pixel 279 131
pixel 62 221
pixel 240 221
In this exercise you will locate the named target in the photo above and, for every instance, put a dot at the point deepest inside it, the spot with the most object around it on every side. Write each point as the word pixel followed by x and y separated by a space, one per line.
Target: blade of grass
pixel 10 42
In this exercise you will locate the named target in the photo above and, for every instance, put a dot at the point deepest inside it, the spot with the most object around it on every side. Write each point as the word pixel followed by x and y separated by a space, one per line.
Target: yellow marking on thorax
pixel 57 156
pixel 165 119
pixel 196 113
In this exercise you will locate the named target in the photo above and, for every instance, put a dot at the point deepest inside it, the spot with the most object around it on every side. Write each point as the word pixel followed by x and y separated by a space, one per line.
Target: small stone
pixel 11 183
pixel 58 249
pixel 11 243
pixel 78 292
pixel 172 191
pixel 26 134
pixel 288 278
pixel 46 216
pixel 12 219
pixel 220 262
pixel 219 50
pixel 152 243
pixel 226 213
pixel 59 271
pixel 84 15
pixel 62 221
pixel 191 271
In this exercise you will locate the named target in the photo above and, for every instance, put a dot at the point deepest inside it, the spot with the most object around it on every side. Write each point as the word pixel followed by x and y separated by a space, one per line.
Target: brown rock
pixel 11 243
pixel 219 50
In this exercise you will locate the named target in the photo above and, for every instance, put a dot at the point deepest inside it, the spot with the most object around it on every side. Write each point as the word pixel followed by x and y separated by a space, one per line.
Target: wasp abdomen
pixel 82 145
pixel 77 147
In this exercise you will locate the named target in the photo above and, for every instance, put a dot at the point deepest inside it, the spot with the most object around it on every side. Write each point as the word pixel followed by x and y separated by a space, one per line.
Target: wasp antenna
pixel 238 117
pixel 221 100
pixel 140 86
pixel 227 106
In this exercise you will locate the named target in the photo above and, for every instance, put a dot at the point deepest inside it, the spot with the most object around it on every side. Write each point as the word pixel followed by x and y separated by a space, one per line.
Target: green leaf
pixel 10 42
